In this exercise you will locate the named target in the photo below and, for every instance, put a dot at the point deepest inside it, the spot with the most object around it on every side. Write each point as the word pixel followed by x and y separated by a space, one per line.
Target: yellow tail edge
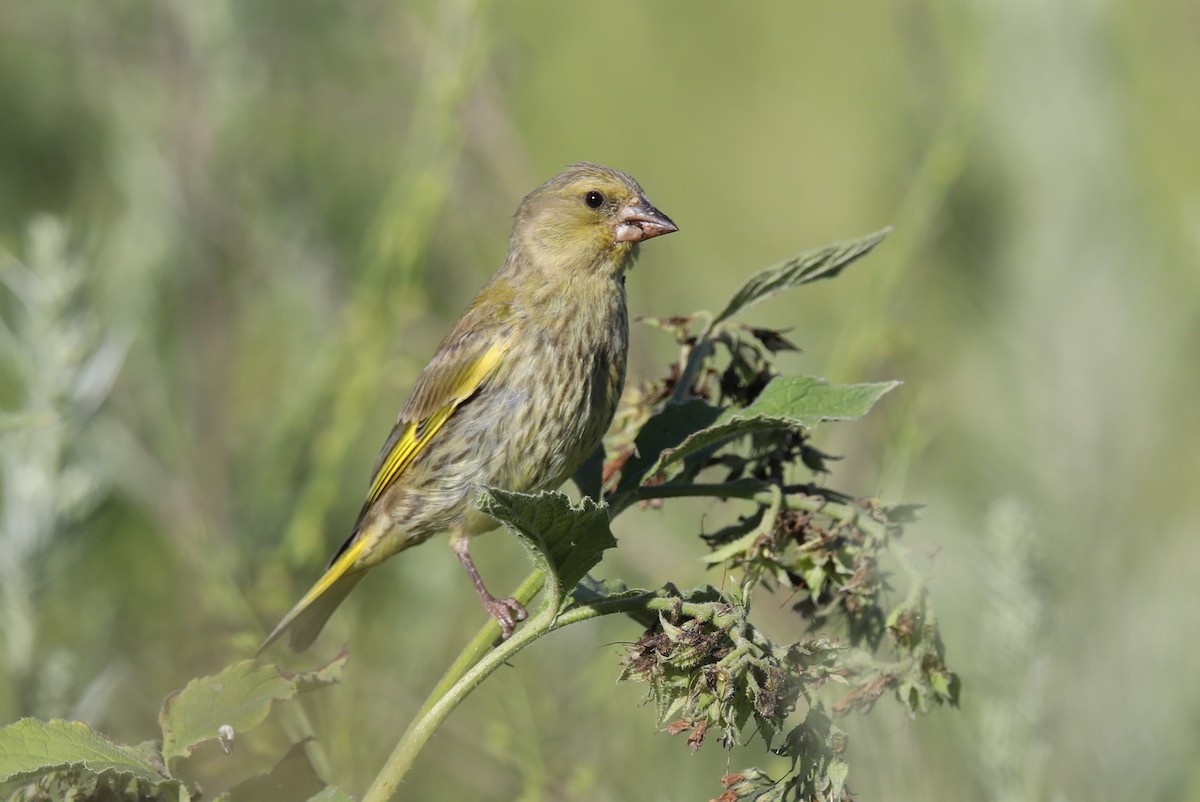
pixel 336 571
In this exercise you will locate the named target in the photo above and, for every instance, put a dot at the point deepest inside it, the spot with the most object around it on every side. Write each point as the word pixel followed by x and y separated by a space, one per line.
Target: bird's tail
pixel 309 615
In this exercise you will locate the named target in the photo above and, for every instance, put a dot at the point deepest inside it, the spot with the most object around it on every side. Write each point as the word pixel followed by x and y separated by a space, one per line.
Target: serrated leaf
pixel 239 697
pixel 805 267
pixel 564 540
pixel 30 747
pixel 666 430
pixel 728 534
pixel 809 400
pixel 788 401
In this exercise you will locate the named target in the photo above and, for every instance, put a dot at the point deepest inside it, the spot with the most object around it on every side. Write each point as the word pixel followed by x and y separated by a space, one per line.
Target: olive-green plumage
pixel 517 395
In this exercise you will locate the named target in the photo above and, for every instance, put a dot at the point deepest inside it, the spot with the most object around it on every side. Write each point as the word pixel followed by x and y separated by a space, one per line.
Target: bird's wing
pixel 464 362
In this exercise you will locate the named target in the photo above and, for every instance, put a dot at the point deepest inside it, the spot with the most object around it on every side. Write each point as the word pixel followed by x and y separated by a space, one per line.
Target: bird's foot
pixel 507 612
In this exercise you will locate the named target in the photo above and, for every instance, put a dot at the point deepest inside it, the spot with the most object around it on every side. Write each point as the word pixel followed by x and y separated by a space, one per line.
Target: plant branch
pixel 714 612
pixel 806 497
pixel 442 703
pixel 695 360
pixel 479 645
pixel 475 664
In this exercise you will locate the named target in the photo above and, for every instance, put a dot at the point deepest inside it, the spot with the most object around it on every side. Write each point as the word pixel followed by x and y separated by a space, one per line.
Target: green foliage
pixel 57 367
pixel 564 541
pixel 278 207
pixel 792 403
pixel 802 268
pixel 707 667
pixel 721 424
pixel 237 698
pixel 30 747
pixel 68 760
pixel 69 786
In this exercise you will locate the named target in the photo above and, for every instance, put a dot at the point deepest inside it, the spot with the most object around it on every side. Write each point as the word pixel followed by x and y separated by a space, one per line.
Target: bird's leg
pixel 507 612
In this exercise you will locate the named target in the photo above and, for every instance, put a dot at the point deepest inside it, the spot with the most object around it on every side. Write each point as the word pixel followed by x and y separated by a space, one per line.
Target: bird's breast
pixel 568 384
pixel 535 420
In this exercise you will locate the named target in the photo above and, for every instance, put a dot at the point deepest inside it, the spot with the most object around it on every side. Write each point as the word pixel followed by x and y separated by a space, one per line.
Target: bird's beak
pixel 639 221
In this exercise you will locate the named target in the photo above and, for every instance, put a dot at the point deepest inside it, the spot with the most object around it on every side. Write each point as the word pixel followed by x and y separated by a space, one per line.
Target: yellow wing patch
pixel 419 433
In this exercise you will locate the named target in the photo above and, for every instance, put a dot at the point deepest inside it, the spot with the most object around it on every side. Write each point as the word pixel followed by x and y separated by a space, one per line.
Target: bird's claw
pixel 507 612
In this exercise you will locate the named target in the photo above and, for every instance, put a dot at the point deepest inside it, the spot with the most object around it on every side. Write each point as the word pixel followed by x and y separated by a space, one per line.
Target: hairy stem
pixel 472 667
pixel 479 645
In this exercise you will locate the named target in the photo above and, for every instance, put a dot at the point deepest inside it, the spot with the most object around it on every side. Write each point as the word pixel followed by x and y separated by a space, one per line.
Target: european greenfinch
pixel 517 395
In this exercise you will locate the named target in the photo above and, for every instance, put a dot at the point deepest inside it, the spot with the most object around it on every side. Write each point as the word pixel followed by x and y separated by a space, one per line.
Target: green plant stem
pixel 797 497
pixel 749 489
pixel 715 612
pixel 478 659
pixel 472 667
pixel 833 505
pixel 695 361
pixel 475 664
pixel 479 645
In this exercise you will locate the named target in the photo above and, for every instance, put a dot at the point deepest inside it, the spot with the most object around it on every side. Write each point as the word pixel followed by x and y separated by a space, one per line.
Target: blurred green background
pixel 233 232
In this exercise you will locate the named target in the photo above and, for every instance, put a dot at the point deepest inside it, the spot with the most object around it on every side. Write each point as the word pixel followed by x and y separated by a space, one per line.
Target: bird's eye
pixel 594 199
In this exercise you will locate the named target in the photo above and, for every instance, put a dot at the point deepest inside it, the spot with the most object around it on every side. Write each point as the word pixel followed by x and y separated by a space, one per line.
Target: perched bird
pixel 518 394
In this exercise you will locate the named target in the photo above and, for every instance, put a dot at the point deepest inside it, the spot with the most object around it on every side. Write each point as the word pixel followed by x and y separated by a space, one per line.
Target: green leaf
pixel 940 682
pixel 788 401
pixel 743 535
pixel 903 513
pixel 30 747
pixel 589 477
pixel 564 541
pixel 818 748
pixel 802 268
pixel 808 400
pixel 666 430
pixel 292 778
pixel 839 771
pixel 238 697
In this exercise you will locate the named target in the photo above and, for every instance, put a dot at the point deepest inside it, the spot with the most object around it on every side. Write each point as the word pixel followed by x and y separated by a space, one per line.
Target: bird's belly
pixel 529 432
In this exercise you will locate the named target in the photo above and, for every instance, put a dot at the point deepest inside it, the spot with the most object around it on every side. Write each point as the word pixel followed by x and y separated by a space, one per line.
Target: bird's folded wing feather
pixel 461 366
pixel 463 363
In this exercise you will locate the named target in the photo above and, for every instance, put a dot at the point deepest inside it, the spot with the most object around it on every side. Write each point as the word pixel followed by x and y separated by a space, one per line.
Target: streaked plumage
pixel 517 395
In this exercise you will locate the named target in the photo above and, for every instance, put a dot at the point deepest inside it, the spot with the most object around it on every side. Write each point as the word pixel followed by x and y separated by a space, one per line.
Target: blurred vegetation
pixel 233 233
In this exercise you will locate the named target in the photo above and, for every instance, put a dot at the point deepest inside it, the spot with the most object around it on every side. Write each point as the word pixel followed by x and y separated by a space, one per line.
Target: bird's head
pixel 586 218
